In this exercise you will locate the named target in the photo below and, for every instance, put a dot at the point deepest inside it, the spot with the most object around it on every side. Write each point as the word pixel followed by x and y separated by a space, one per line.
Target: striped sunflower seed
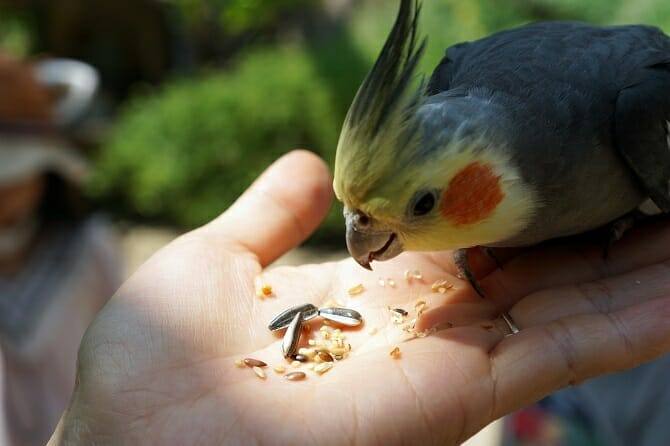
pixel 283 319
pixel 291 339
pixel 344 316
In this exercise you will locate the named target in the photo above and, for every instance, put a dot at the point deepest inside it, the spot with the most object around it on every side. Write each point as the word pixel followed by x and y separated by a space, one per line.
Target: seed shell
pixel 344 316
pixel 289 344
pixel 284 318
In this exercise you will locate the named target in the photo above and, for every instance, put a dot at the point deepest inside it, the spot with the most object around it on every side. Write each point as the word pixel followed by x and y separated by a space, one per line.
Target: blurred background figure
pixel 58 263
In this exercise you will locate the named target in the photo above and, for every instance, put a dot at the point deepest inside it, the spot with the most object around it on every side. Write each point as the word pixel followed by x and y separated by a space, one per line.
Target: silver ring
pixel 510 323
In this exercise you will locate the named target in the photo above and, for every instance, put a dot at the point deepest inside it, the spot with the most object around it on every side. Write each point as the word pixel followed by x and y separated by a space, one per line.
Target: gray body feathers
pixel 584 112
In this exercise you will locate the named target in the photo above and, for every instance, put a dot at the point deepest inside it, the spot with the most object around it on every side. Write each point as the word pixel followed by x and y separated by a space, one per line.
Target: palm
pixel 158 361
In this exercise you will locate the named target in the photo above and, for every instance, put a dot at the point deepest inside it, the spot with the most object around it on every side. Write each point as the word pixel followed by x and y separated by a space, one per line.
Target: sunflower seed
pixel 284 318
pixel 289 344
pixel 296 376
pixel 344 316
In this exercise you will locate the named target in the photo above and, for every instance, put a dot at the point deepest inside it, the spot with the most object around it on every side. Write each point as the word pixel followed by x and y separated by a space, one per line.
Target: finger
pixel 537 361
pixel 603 296
pixel 281 209
pixel 556 265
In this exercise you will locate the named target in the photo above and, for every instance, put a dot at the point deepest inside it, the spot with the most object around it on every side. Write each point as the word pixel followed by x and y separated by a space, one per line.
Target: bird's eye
pixel 423 204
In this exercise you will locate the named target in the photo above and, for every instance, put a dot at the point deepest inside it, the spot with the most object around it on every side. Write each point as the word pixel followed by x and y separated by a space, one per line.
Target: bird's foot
pixel 463 265
pixel 492 255
pixel 617 229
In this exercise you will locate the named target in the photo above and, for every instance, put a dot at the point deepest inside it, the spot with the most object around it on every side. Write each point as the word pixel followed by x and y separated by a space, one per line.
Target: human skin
pixel 156 367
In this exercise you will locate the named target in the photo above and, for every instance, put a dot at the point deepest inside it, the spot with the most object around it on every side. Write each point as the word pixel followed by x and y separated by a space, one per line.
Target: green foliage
pixel 236 16
pixel 15 33
pixel 185 154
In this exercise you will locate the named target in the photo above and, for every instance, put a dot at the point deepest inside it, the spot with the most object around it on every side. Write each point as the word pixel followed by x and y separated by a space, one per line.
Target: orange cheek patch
pixel 472 195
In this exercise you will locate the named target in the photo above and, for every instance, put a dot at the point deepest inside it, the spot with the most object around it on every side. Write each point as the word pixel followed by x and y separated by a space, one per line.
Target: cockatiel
pixel 539 132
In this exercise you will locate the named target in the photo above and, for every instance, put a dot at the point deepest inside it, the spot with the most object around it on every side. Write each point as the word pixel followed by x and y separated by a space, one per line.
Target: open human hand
pixel 157 364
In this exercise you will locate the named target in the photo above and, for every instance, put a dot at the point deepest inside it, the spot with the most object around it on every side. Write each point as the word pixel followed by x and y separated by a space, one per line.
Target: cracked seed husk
pixel 289 344
pixel 344 316
pixel 284 318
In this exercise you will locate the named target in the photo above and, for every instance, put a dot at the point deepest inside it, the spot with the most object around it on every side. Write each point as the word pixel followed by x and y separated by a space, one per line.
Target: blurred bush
pixel 16 32
pixel 236 16
pixel 183 155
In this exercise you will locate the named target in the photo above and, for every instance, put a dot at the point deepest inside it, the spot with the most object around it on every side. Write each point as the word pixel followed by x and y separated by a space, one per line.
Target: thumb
pixel 280 209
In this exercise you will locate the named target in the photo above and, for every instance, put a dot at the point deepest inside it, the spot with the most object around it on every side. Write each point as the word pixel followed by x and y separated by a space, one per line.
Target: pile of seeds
pixel 322 353
pixel 330 346
pixel 294 318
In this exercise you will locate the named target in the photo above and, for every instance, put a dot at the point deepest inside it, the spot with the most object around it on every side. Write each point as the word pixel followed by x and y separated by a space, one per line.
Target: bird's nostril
pixel 363 220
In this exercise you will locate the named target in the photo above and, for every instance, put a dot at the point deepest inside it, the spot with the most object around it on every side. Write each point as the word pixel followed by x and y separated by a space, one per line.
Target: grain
pixel 239 363
pixel 395 353
pixel 357 289
pixel 279 369
pixel 323 367
pixel 251 362
pixel 441 286
pixel 259 372
pixel 307 352
pixel 325 356
pixel 296 376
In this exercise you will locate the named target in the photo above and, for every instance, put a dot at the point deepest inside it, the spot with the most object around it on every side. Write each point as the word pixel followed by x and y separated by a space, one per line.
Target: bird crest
pixel 382 115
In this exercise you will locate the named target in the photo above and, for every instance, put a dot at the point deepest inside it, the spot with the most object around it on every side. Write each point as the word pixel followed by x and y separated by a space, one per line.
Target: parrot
pixel 544 131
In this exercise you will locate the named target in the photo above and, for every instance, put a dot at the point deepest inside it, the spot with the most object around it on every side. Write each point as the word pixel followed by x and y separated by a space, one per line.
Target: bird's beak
pixel 366 242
